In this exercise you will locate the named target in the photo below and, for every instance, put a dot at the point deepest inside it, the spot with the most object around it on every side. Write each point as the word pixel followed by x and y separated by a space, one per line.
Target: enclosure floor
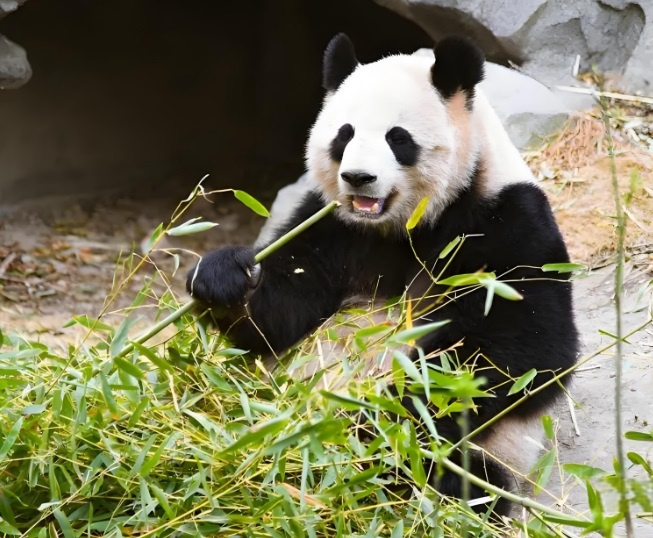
pixel 56 266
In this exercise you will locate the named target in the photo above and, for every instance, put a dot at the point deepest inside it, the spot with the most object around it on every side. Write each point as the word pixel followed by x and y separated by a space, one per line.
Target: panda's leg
pixel 483 466
pixel 450 484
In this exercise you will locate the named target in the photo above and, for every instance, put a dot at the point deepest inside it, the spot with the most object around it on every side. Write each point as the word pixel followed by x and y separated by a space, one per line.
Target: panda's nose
pixel 357 179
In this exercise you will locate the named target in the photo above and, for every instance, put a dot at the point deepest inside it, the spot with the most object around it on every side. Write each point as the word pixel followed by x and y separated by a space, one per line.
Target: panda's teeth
pixel 364 204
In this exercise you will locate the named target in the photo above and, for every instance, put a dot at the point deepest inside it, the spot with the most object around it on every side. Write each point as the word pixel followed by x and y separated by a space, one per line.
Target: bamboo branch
pixel 260 256
pixel 618 290
pixel 610 95
pixel 512 497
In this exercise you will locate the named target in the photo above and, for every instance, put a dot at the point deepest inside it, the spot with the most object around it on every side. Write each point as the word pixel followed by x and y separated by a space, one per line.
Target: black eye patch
pixel 339 143
pixel 405 149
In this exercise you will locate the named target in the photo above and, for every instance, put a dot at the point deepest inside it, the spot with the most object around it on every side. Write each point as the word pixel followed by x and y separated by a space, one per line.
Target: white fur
pixel 504 164
pixel 516 443
pixel 397 91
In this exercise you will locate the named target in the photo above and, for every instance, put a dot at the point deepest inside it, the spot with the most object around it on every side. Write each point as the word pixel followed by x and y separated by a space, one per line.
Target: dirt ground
pixel 62 262
pixel 576 173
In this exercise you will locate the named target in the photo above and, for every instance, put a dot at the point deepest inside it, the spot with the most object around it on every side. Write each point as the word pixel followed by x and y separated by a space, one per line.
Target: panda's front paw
pixel 223 277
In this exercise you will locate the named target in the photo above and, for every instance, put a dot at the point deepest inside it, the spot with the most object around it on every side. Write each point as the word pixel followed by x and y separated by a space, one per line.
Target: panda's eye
pixel 398 136
pixel 339 143
pixel 401 143
pixel 345 133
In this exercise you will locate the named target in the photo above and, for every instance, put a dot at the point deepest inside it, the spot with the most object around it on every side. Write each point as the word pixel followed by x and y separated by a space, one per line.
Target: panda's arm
pixel 298 286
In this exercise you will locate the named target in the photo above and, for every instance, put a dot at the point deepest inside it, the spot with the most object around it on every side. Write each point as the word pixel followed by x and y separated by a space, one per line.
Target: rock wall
pixel 545 36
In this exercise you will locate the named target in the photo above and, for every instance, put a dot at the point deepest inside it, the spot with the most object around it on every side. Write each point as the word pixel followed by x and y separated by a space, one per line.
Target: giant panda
pixel 389 134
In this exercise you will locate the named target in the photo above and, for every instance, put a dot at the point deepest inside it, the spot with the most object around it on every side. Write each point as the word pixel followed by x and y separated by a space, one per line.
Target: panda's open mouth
pixel 368 206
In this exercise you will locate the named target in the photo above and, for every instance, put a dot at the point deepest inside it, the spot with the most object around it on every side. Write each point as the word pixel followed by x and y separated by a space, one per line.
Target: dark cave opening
pixel 128 97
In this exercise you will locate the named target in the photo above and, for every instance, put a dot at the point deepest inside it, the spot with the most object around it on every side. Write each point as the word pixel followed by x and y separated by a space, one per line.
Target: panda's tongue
pixel 364 204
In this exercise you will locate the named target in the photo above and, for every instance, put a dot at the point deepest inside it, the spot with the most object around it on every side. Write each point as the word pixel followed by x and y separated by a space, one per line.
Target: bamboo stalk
pixel 624 505
pixel 260 256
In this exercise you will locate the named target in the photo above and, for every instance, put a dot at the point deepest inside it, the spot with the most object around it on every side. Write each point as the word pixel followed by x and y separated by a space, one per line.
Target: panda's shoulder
pixel 510 204
pixel 520 222
pixel 523 202
pixel 310 203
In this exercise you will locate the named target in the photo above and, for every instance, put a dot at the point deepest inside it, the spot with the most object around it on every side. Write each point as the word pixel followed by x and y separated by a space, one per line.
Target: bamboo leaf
pixel 447 250
pixel 407 366
pixel 64 523
pixel 639 436
pixel 637 459
pixel 562 520
pixel 191 227
pixel 563 267
pixel 160 363
pixel 416 465
pixel 89 323
pixel 108 395
pixel 417 214
pixel 120 336
pixel 582 471
pixel 405 336
pixel 544 467
pixel 547 422
pixel 522 382
pixel 129 368
pixel 252 203
pixel 373 330
pixel 22 354
pixel 149 244
pixel 34 409
pixel 466 279
pixel 347 402
pixel 258 432
pixel 507 292
pixel 152 462
pixel 163 499
pixel 9 530
pixel 11 438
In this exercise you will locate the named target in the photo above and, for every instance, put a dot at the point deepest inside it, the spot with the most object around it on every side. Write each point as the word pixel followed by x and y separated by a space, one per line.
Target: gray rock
pixel 14 67
pixel 545 36
pixel 637 74
pixel 529 111
pixel 8 6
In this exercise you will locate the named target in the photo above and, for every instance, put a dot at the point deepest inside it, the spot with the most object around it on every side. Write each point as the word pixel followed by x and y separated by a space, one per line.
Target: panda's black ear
pixel 339 62
pixel 459 65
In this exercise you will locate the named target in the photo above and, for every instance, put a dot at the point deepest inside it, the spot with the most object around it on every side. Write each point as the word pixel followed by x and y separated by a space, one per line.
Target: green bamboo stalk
pixel 260 256
pixel 512 497
pixel 618 288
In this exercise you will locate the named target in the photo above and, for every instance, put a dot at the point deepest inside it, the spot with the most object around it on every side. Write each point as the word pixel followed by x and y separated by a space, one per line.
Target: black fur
pixel 459 66
pixel 401 143
pixel 339 143
pixel 222 276
pixel 339 62
pixel 340 260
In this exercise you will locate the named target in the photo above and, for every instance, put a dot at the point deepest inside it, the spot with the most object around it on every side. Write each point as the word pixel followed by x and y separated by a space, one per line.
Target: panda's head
pixel 395 131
